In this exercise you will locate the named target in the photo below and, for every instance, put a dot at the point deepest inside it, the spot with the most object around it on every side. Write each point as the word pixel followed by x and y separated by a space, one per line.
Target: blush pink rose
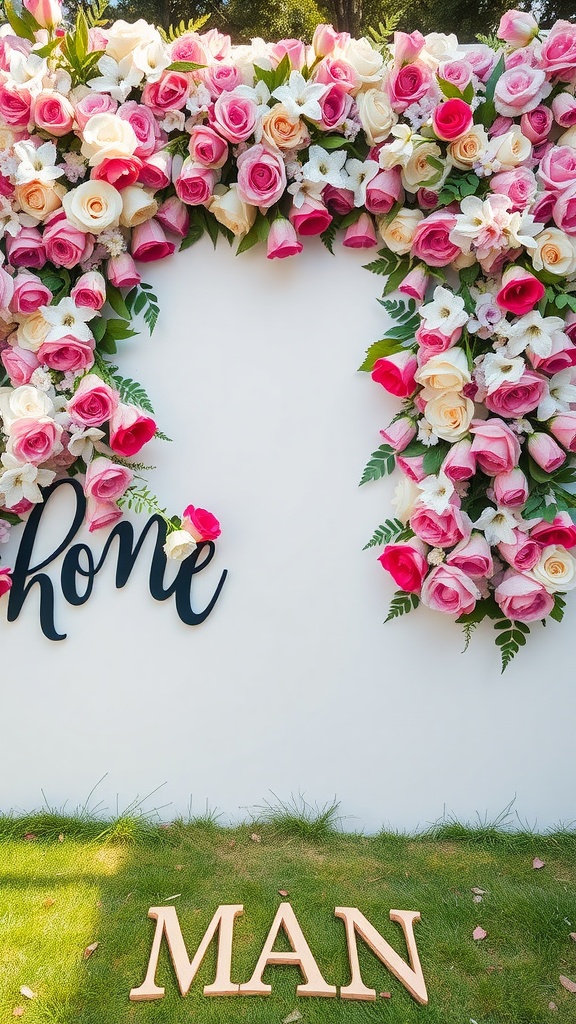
pixel 519 185
pixel 219 78
pixel 200 524
pixel 412 467
pixel 122 272
pixel 431 243
pixel 144 124
pixel 511 488
pixel 311 219
pixel 460 463
pixel 545 452
pixel 441 529
pixel 337 71
pixel 361 234
pixel 19 364
pixel 564 109
pixel 106 480
pixel 562 356
pixel 520 291
pixel 15 106
pixel 563 427
pixel 447 589
pixel 94 103
pixel 90 290
pixel 34 440
pixel 53 113
pixel 6 288
pixel 408 84
pixel 100 514
pixel 67 354
pixel 523 599
pixel 536 124
pixel 406 564
pixel 472 556
pixel 482 59
pixel 383 190
pixel 415 284
pixel 558 168
pixel 326 39
pixel 517 27
pixel 26 249
pixel 174 217
pixel 494 445
pixel 558 51
pixel 190 49
pixel 457 72
pixel 234 117
pixel 432 341
pixel 170 92
pixel 560 531
pixel 407 47
pixel 399 433
pixel 396 373
pixel 282 240
pixel 195 183
pixel 564 212
pixel 93 402
pixel 520 90
pixel 156 170
pixel 149 242
pixel 65 245
pixel 516 398
pixel 294 49
pixel 130 430
pixel 452 119
pixel 261 177
pixel 206 147
pixel 523 554
pixel 29 294
pixel 118 171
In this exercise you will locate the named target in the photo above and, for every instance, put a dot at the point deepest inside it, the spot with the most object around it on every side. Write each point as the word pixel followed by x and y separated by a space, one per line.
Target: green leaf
pixel 22 23
pixel 333 142
pixel 511 637
pixel 391 530
pixel 385 265
pixel 184 66
pixel 415 449
pixel 401 604
pixel 449 89
pixel 258 233
pixel 98 328
pixel 49 48
pixel 382 462
pixel 116 300
pixel 557 612
pixel 434 458
pixel 379 350
pixel 119 330
pixel 487 111
pixel 81 36
pixel 133 393
pixel 328 237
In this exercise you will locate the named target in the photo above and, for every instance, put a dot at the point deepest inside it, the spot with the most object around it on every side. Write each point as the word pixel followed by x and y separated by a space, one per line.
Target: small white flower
pixel 326 168
pixel 498 368
pixel 445 313
pixel 173 121
pixel 20 481
pixel 28 71
pixel 117 78
pixel 360 174
pixel 497 525
pixel 198 101
pixel 560 397
pixel 113 241
pixel 36 163
pixel 301 97
pixel 436 492
pixel 532 331
pixel 83 440
pixel 41 379
pixel 302 190
pixel 398 153
pixel 68 318
pixel 426 435
pixel 436 556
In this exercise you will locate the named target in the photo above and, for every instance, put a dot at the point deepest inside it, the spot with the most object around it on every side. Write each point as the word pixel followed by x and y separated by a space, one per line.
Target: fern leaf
pixel 382 462
pixel 133 393
pixel 511 637
pixel 328 237
pixel 401 604
pixel 467 629
pixel 391 530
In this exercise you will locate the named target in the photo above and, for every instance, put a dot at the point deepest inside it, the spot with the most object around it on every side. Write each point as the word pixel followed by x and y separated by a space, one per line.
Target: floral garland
pixel 120 144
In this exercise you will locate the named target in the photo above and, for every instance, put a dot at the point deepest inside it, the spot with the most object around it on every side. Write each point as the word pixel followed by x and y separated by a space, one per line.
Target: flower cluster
pixel 481 244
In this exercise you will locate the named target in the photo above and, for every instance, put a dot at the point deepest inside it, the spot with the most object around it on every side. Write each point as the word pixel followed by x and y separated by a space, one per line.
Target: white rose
pixel 555 252
pixel 230 211
pixel 376 115
pixel 447 371
pixel 368 62
pixel 556 569
pixel 179 544
pixel 417 171
pixel 398 234
pixel 568 138
pixel 124 37
pixel 406 495
pixel 439 47
pixel 25 402
pixel 469 148
pixel 450 415
pixel 511 149
pixel 32 331
pixel 138 205
pixel 106 136
pixel 93 206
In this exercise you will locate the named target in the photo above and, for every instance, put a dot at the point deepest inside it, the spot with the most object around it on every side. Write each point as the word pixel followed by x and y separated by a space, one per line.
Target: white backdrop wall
pixel 293 684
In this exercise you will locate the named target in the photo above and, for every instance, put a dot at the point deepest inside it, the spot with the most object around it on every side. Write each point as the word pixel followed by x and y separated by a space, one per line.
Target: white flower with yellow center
pixel 532 331
pixel 68 318
pixel 560 397
pixel 445 313
pixel 36 163
pixel 20 481
pixel 499 368
pixel 326 168
pixel 301 97
pixel 436 492
pixel 398 153
pixel 117 78
pixel 497 525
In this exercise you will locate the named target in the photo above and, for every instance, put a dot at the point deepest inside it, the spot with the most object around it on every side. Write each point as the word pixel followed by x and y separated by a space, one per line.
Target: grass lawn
pixel 67 883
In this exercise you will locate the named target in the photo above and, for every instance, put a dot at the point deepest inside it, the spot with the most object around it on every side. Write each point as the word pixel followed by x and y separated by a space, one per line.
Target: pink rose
pixel 431 243
pixel 406 564
pixel 34 440
pixel 170 92
pixel 361 234
pixel 90 290
pixel 407 47
pixel 190 49
pixel 383 190
pixel 457 72
pixel 523 554
pixel 65 245
pixel 294 49
pixel 94 103
pixel 149 242
pixel 121 271
pixel 448 589
pixel 219 78
pixel 472 556
pixel 545 452
pixel 339 200
pixel 29 294
pixel 495 447
pixel 432 341
pixel 200 524
pixel 106 480
pixel 560 531
pixel 19 364
pixel 415 283
pixel 93 402
pixel 6 288
pixel 519 185
pixel 564 212
pixel 156 170
pixel 130 430
pixel 67 354
pixel 482 59
pixel 118 171
pixel 195 184
pixel 511 488
pixel 47 13
pixel 261 177
pixel 337 71
pixel 441 529
pixel 517 28
pixel 427 198
pixel 516 398
pixel 325 40
pixel 536 124
pixel 564 109
pixel 101 513
pixel 522 598
pixel 234 117
pixel 520 291
pixel 144 124
pixel 563 427
pixel 282 240
pixel 562 356
pixel 544 207
pixel 520 90
pixel 15 104
pixel 217 44
pixel 452 119
pixel 335 106
pixel 396 373
pixel 26 249
pixel 460 463
pixel 558 168
pixel 408 84
pixel 558 51
pixel 400 433
pixel 412 467
pixel 206 147
pixel 311 219
pixel 5 580
pixel 53 113
pixel 174 217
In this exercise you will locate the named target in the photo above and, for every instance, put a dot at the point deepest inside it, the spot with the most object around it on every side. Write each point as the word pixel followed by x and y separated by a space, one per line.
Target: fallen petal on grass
pixel 256 838
pixel 27 992
pixel 552 1006
pixel 572 936
pixel 566 983
pixel 18 1011
pixel 477 898
pixel 90 949
pixel 537 863
pixel 479 934
pixel 478 892
pixel 283 892
pixel 293 1017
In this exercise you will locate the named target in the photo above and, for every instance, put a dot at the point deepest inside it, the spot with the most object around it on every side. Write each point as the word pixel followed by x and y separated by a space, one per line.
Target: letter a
pixel 185 970
pixel 301 956
pixel 410 976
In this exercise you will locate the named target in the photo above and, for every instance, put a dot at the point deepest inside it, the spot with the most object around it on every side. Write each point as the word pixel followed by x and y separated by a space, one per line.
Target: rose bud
pixel 545 452
pixel 200 524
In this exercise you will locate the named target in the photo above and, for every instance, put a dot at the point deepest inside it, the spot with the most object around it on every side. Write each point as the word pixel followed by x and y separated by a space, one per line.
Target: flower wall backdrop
pixel 120 145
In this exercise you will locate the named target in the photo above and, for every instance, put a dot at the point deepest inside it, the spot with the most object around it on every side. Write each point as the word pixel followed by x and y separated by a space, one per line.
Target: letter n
pixel 410 976
pixel 185 969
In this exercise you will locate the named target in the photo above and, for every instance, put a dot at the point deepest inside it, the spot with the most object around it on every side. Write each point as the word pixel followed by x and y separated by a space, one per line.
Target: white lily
pixel 436 492
pixel 301 98
pixel 360 174
pixel 497 525
pixel 445 312
pixel 260 93
pixel 82 442
pixel 326 168
pixel 152 59
pixel 68 318
pixel 560 397
pixel 398 153
pixel 532 331
pixel 117 78
pixel 498 368
pixel 20 481
pixel 36 163
pixel 28 71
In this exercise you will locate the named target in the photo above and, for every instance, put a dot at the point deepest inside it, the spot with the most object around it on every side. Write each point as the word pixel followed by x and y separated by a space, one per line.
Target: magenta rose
pixel 101 513
pixel 460 463
pixel 545 452
pixel 106 480
pixel 67 354
pixel 234 117
pixel 90 290
pixel 544 207
pixel 441 529
pixel 447 589
pixel 118 171
pixel 558 168
pixel 431 243
pixel 452 119
pixel 34 440
pixel 195 183
pixel 520 291
pixel 65 245
pixel 311 219
pixel 26 249
pixel 93 402
pixel 406 564
pixel 383 190
pixel 174 217
pixel 338 200
pixel 15 106
pixel 396 373
pixel 473 556
pixel 560 531
pixel 361 234
pixel 170 92
pixel 149 242
pixel 145 125
pixel 516 398
pixel 522 554
pixel 494 445
pixel 94 103
pixel 522 598
pixel 206 147
pixel 19 364
pixel 29 294
pixel 282 240
pixel 408 84
pixel 5 580
pixel 558 51
pixel 130 430
pixel 261 177
pixel 562 356
pixel 511 488
pixel 200 524
pixel 399 433
pixel 156 170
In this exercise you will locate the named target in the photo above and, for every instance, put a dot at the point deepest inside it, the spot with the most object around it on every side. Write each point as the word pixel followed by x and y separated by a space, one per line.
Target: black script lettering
pixel 80 562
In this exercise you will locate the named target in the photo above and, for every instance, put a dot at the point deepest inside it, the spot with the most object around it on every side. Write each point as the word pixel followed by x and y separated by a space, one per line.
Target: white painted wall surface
pixel 293 684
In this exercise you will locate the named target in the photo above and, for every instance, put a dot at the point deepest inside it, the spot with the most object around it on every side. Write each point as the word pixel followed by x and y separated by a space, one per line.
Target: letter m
pixel 185 969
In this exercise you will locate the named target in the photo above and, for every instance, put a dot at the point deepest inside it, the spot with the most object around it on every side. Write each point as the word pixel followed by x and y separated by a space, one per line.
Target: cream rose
pixel 106 136
pixel 283 131
pixel 38 199
pixel 376 115
pixel 405 498
pixel 555 253
pixel 511 149
pixel 138 205
pixel 179 544
pixel 439 47
pixel 445 372
pixel 418 170
pixel 555 570
pixel 230 211
pixel 568 138
pixel 93 206
pixel 367 61
pixel 6 138
pixel 399 233
pixel 25 402
pixel 450 415
pixel 124 37
pixel 32 331
pixel 465 151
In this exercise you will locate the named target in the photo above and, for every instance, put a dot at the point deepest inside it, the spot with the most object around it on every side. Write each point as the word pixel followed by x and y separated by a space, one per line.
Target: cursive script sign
pixel 80 567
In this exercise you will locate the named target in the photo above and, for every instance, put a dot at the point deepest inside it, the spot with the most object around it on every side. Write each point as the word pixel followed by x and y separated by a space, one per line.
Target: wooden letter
pixel 410 976
pixel 185 970
pixel 301 956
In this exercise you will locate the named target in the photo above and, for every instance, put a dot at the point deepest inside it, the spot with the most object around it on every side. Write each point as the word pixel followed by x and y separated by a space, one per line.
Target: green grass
pixel 77 880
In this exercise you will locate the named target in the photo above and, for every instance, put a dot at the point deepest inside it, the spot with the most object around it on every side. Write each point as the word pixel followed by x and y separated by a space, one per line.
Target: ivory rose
pixel 555 569
pixel 93 206
pixel 229 209
pixel 376 115
pixel 398 234
pixel 106 136
pixel 450 415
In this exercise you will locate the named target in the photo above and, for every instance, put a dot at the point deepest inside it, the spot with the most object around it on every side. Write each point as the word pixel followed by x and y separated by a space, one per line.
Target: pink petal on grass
pixel 570 986
pixel 572 936
pixel 537 863
pixel 479 934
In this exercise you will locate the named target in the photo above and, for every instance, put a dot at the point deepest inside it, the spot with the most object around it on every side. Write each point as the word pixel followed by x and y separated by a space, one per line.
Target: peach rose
pixel 38 199
pixel 283 131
